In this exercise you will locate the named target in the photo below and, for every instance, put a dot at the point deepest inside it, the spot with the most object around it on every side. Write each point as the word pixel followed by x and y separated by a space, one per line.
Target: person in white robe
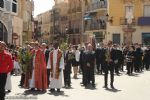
pixel 56 59
pixel 8 85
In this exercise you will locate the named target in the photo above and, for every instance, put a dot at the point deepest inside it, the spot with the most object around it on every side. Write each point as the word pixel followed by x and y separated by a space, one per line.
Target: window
pixel 8 5
pixel 2 3
pixel 14 6
pixel 146 10
pixel 129 11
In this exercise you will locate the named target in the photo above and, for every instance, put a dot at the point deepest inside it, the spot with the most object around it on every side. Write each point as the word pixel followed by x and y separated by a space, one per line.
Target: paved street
pixel 135 87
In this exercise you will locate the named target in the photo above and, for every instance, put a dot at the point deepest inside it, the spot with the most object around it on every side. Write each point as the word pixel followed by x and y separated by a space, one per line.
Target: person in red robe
pixel 39 74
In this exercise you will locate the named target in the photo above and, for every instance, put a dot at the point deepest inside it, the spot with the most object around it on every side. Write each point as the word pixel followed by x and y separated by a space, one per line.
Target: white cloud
pixel 42 6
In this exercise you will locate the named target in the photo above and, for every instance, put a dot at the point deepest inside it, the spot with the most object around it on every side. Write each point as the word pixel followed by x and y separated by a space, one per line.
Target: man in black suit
pixel 89 63
pixel 99 58
pixel 109 65
pixel 116 57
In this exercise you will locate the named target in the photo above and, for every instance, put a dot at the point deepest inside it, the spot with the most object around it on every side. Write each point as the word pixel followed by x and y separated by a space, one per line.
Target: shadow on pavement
pixel 90 87
pixel 112 90
pixel 68 87
pixel 35 92
pixel 61 93
pixel 134 75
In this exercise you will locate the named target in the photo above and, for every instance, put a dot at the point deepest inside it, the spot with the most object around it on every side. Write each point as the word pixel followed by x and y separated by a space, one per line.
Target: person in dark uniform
pixel 67 71
pixel 109 65
pixel 115 58
pixel 6 66
pixel 146 58
pixel 82 64
pixel 138 59
pixel 89 63
pixel 99 58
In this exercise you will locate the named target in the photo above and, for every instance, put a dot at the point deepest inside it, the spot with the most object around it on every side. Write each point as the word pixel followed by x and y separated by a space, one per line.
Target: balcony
pixel 96 6
pixel 145 0
pixel 76 30
pixel 123 21
pixel 79 9
pixel 73 10
pixel 144 21
pixel 64 18
pixel 131 1
pixel 95 26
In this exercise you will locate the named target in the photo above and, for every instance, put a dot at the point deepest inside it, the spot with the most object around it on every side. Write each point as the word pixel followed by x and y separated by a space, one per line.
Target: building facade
pixel 27 16
pixel 6 11
pixel 95 19
pixel 42 26
pixel 75 21
pixel 130 21
pixel 59 20
pixel 13 19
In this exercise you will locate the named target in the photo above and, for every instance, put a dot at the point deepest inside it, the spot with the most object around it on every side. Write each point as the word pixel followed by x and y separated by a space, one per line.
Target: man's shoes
pixel 32 89
pixel 9 91
pixel 106 87
pixel 52 90
pixel 58 90
pixel 112 86
pixel 93 85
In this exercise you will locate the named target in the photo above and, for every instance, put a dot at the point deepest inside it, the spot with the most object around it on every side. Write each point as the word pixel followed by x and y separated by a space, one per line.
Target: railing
pixel 95 26
pixel 123 21
pixel 125 1
pixel 79 9
pixel 73 10
pixel 96 5
pixel 64 18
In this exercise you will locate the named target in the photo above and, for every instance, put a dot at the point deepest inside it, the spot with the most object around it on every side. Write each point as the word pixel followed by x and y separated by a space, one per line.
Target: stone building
pixel 6 11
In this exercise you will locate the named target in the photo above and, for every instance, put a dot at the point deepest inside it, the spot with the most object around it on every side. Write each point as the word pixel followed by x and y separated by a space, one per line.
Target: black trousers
pixel 147 64
pixel 129 67
pixel 48 77
pixel 109 67
pixel 3 77
pixel 116 68
pixel 67 78
pixel 89 76
pixel 99 67
pixel 22 79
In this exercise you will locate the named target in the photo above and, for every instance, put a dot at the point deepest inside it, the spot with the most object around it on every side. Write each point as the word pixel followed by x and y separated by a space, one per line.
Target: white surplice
pixel 56 83
pixel 32 80
pixel 8 85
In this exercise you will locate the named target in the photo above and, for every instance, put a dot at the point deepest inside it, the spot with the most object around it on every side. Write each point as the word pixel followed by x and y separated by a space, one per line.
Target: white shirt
pixel 77 55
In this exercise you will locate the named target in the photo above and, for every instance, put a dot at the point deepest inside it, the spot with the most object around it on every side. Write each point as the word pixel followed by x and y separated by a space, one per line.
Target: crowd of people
pixel 45 66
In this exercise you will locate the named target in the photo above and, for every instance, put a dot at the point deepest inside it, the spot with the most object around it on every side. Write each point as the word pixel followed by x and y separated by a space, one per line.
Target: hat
pixel 44 44
pixel 3 43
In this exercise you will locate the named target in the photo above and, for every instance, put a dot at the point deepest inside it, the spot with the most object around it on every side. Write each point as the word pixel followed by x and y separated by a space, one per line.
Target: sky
pixel 42 6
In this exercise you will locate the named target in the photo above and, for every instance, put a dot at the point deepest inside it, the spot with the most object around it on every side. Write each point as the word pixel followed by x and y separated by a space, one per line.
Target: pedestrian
pixel 67 70
pixel 130 60
pixel 75 61
pixel 6 66
pixel 39 73
pixel 46 52
pixel 82 64
pixel 89 65
pixel 109 66
pixel 138 59
pixel 56 64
